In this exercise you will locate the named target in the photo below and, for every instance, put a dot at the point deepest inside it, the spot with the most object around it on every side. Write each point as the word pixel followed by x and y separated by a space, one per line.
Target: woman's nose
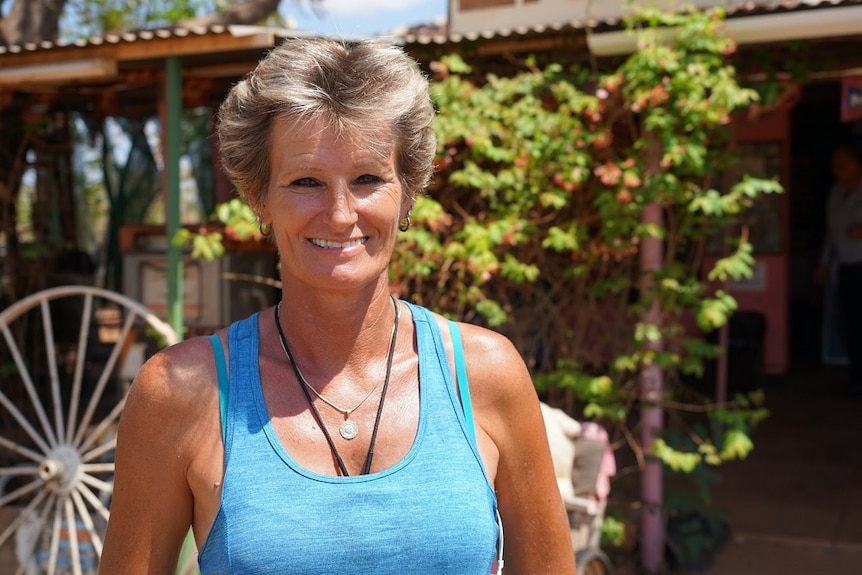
pixel 341 209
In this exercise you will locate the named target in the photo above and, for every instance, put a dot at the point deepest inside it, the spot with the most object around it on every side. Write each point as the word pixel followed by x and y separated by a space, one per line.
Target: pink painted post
pixel 652 415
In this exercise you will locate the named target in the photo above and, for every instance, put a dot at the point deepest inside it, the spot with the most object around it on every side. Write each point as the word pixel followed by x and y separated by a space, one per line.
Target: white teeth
pixel 337 245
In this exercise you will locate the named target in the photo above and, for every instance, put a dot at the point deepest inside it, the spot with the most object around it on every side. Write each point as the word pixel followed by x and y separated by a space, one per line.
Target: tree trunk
pixel 31 21
pixel 11 169
pixel 26 22
pixel 248 12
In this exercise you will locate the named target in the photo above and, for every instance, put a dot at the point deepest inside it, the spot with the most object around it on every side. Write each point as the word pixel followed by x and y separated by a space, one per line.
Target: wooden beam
pixel 535 43
pixel 146 46
pixel 55 72
pixel 232 70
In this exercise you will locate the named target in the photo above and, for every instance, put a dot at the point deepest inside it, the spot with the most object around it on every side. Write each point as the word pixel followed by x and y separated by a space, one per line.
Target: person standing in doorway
pixel 843 250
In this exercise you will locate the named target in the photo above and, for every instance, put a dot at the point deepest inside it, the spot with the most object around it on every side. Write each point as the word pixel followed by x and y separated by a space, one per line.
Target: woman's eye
pixel 368 179
pixel 305 183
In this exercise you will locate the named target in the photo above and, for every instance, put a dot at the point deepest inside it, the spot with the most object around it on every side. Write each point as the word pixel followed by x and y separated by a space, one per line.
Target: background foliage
pixel 535 223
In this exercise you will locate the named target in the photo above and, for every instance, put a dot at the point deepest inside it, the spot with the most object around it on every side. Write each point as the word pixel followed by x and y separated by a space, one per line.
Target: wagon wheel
pixel 58 419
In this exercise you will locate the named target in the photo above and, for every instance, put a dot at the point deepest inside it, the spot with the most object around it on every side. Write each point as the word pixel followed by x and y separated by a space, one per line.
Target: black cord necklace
pixel 304 385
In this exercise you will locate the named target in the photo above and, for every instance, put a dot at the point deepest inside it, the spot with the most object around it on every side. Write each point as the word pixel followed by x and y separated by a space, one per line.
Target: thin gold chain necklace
pixel 348 428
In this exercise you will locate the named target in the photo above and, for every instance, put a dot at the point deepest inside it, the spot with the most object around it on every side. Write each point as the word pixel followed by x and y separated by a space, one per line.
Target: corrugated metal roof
pixel 148 36
pixel 738 9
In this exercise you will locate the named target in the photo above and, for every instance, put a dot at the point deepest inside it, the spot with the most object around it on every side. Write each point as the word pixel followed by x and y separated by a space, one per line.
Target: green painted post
pixel 174 101
pixel 173 117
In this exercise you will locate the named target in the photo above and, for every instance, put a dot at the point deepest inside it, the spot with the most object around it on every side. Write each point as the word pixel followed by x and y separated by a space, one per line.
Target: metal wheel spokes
pixel 56 432
pixel 39 521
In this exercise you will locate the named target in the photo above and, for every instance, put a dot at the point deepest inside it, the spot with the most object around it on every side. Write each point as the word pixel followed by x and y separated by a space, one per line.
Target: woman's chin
pixel 341 279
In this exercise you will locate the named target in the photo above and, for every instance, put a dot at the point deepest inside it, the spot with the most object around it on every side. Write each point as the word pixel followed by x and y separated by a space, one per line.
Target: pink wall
pixel 768 291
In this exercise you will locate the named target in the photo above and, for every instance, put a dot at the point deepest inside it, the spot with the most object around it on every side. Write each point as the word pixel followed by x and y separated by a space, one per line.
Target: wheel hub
pixel 61 469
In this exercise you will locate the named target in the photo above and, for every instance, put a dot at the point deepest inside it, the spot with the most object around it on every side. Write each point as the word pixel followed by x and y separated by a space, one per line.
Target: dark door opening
pixel 816 128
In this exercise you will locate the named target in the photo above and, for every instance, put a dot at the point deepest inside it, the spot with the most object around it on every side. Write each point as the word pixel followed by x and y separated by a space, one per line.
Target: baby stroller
pixel 583 463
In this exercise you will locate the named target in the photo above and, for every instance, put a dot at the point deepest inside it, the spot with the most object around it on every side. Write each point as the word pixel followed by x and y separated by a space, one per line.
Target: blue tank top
pixel 432 512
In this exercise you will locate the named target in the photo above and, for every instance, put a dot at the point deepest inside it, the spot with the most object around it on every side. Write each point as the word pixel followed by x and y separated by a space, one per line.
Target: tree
pixel 30 21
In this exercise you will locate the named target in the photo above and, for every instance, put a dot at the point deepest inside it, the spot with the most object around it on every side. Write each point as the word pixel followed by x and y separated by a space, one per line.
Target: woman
pixel 343 445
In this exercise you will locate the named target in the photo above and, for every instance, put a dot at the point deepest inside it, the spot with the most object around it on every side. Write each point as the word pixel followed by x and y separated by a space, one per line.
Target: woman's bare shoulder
pixel 167 441
pixel 180 379
pixel 495 368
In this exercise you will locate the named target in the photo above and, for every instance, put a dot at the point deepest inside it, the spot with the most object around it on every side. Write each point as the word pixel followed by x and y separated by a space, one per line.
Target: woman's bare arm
pixel 152 504
pixel 537 535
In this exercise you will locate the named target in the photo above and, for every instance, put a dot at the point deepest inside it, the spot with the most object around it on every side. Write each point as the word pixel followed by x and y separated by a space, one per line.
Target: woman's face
pixel 847 169
pixel 334 206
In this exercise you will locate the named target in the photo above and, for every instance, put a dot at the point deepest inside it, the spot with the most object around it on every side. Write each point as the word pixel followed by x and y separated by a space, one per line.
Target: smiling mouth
pixel 330 245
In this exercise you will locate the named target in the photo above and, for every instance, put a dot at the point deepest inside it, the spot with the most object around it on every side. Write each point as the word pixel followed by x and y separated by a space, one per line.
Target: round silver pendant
pixel 348 429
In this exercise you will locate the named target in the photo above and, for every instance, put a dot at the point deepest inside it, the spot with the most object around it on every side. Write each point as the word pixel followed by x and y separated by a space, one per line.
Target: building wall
pixel 471 16
pixel 767 291
pixel 468 16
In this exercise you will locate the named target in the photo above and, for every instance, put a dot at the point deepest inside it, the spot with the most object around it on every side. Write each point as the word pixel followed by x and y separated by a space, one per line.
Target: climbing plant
pixel 536 223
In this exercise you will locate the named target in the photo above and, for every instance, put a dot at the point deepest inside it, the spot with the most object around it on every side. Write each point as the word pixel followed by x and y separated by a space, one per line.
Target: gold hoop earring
pixel 264 229
pixel 405 225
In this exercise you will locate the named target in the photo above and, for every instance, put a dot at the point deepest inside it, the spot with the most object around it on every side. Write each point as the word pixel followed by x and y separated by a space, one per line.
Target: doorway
pixel 816 128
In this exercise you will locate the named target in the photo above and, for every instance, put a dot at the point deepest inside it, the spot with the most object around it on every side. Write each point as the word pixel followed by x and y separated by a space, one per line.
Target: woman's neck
pixel 328 331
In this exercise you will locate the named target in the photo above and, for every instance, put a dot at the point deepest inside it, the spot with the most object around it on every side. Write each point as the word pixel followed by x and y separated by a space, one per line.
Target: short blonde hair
pixel 358 86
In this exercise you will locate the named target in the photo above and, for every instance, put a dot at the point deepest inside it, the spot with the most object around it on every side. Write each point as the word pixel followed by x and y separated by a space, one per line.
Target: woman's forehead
pixel 379 140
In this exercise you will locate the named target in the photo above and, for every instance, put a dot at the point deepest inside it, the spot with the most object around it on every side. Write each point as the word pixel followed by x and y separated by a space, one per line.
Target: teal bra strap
pixel 461 374
pixel 467 406
pixel 221 369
